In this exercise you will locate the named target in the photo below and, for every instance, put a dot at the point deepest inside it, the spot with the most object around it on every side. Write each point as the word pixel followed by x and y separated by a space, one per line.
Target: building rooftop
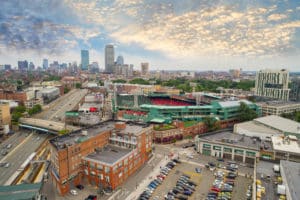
pixel 278 103
pixel 233 139
pixel 109 155
pixel 226 104
pixel 256 127
pixel 286 145
pixel 22 191
pixel 82 135
pixel 292 174
pixel 280 123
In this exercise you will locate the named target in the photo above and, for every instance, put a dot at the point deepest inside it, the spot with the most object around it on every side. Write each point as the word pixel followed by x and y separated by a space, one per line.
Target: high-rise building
pixel 45 63
pixel 295 90
pixel 144 69
pixel 84 59
pixel 272 84
pixel 31 66
pixel 120 60
pixel 23 65
pixel 109 58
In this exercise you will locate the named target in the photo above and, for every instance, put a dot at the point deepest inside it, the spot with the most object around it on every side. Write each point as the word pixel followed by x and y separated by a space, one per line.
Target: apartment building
pixel 278 107
pixel 272 84
pixel 5 117
pixel 103 155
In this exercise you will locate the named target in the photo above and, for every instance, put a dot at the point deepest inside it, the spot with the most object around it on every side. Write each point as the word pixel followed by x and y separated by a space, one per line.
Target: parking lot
pixel 204 181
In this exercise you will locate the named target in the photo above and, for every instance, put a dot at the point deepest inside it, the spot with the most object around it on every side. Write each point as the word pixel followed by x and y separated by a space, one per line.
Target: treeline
pixel 200 84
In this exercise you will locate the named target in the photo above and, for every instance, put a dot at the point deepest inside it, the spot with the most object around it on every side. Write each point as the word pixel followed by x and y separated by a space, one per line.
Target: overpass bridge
pixel 46 126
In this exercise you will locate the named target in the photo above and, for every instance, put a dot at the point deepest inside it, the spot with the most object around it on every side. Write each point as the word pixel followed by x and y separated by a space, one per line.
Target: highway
pixel 19 154
pixel 14 140
pixel 57 109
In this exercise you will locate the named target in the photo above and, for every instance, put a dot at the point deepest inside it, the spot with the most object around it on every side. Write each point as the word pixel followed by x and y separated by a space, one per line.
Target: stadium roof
pixel 175 107
pixel 280 123
pixel 226 104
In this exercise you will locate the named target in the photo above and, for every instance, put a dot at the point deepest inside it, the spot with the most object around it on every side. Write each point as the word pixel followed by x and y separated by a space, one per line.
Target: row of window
pixel 229 150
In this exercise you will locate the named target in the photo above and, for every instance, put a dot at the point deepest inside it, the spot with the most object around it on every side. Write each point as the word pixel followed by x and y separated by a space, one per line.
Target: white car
pixel 74 192
pixel 190 156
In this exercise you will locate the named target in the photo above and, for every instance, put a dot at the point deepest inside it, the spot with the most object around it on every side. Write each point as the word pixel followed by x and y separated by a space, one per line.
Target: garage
pixel 238 158
pixel 249 160
pixel 227 155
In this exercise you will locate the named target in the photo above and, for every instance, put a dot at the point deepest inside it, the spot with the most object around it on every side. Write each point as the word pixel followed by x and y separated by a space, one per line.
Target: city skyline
pixel 169 34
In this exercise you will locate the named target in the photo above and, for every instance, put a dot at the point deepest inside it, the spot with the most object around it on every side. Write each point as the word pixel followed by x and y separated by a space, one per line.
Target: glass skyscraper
pixel 85 59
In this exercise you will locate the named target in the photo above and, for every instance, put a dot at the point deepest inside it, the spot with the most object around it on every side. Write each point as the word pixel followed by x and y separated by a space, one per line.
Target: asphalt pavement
pixel 19 154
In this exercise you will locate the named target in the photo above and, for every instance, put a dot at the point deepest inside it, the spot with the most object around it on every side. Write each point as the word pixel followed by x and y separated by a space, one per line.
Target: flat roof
pixel 291 171
pixel 109 155
pixel 291 146
pixel 278 103
pixel 226 104
pixel 79 136
pixel 232 139
pixel 22 191
pixel 175 107
pixel 256 127
pixel 82 135
pixel 280 123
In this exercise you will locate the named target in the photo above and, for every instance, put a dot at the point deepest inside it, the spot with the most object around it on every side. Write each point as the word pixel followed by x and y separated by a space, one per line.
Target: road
pixel 57 109
pixel 14 140
pixel 19 154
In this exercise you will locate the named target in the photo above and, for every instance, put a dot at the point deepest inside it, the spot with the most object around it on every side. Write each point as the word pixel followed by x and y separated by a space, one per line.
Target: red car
pixel 215 189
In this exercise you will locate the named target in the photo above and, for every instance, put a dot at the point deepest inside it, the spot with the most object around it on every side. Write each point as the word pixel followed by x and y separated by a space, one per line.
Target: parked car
pixel 80 187
pixel 91 197
pixel 220 159
pixel 198 170
pixel 73 192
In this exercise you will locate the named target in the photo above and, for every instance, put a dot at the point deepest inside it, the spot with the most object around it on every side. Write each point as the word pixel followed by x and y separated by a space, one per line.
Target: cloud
pixel 277 17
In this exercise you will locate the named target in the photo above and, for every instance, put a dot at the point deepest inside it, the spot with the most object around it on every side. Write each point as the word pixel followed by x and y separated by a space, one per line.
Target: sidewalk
pixel 141 187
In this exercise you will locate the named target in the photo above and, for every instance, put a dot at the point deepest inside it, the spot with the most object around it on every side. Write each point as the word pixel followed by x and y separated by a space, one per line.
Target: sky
pixel 169 34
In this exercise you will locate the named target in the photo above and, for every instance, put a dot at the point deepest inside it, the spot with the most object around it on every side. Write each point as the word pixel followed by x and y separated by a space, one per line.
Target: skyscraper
pixel 120 60
pixel 84 59
pixel 273 84
pixel 144 69
pixel 295 90
pixel 45 63
pixel 23 65
pixel 109 58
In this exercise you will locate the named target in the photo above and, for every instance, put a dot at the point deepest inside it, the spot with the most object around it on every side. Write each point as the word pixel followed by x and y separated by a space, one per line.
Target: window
pixel 107 169
pixel 217 148
pixel 250 153
pixel 206 146
pixel 99 167
pixel 239 151
pixel 228 150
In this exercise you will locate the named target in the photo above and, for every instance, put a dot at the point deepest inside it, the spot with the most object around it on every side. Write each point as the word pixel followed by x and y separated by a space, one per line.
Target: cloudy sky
pixel 169 34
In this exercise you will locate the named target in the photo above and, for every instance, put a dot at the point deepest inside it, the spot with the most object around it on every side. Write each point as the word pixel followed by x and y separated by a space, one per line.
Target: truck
pixel 281 189
pixel 276 168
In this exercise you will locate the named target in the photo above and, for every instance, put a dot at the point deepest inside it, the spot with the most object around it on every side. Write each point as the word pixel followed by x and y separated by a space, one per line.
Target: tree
pixel 119 81
pixel 211 123
pixel 16 116
pixel 66 90
pixel 20 109
pixel 245 113
pixel 101 83
pixel 139 81
pixel 78 85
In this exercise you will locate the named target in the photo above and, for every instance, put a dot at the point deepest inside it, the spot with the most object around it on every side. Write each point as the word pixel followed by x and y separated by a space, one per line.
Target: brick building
pixel 13 95
pixel 104 155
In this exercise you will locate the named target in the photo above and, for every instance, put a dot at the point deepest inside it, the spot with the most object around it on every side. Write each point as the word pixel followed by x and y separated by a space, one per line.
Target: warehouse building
pixel 228 145
pixel 82 154
pixel 290 173
pixel 268 126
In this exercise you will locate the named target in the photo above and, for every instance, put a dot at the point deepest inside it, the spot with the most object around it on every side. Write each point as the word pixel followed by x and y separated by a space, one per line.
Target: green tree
pixel 245 113
pixel 16 116
pixel 211 123
pixel 66 90
pixel 139 81
pixel 20 109
pixel 101 83
pixel 119 81
pixel 78 85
